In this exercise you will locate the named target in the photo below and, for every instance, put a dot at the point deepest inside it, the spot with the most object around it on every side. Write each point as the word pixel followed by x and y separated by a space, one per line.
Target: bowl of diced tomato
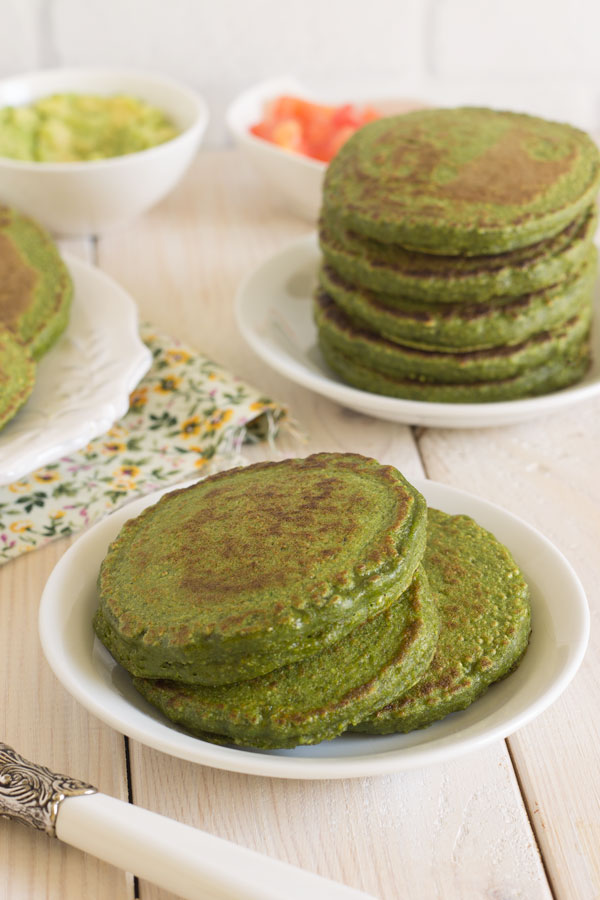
pixel 316 130
pixel 291 135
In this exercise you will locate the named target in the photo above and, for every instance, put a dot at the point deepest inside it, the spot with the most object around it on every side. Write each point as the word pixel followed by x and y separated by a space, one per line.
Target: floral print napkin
pixel 187 417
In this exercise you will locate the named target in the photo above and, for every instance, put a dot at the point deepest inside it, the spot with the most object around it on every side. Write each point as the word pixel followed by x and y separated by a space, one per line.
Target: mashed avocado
pixel 75 127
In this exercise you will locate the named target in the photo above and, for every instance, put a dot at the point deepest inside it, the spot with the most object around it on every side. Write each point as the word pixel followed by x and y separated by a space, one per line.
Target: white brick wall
pixel 541 56
pixel 516 38
pixel 19 34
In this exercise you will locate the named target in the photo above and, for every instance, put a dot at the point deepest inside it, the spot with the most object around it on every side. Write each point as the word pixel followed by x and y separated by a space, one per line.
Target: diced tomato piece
pixel 346 116
pixel 262 130
pixel 288 134
pixel 284 108
pixel 308 112
pixel 318 128
pixel 294 108
pixel 336 141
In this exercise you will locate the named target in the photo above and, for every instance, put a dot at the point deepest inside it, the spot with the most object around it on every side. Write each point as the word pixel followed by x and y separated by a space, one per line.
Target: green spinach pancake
pixel 391 269
pixel 466 181
pixel 314 699
pixel 551 375
pixel 17 375
pixel 485 614
pixel 496 363
pixel 256 567
pixel 462 327
pixel 35 285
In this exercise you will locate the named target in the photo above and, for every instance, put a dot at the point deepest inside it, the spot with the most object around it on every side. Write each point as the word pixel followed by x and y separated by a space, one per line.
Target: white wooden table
pixel 518 820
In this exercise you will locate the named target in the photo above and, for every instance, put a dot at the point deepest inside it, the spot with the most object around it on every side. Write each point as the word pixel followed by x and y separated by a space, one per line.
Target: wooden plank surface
pixel 547 473
pixel 456 830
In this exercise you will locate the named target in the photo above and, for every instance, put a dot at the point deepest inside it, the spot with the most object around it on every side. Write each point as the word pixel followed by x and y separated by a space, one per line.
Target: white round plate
pixel 83 383
pixel 274 313
pixel 558 642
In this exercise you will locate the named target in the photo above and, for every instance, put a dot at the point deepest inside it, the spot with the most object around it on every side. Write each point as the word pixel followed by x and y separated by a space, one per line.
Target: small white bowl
pixel 81 198
pixel 296 179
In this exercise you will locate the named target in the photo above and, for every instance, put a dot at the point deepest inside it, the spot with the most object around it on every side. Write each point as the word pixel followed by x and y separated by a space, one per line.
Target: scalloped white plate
pixel 558 642
pixel 83 383
pixel 274 313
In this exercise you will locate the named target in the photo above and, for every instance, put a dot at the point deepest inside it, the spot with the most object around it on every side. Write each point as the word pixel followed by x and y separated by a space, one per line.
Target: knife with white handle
pixel 191 863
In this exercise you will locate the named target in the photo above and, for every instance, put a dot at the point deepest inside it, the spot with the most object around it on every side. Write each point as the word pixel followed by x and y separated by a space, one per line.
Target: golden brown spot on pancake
pixel 291 534
pixel 423 688
pixel 506 173
pixel 17 284
pixel 415 159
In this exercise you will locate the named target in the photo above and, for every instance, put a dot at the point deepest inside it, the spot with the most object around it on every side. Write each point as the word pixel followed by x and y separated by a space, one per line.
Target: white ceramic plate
pixel 83 383
pixel 558 642
pixel 274 312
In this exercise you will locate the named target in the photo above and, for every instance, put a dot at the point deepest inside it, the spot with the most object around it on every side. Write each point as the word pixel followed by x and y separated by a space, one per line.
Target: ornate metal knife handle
pixel 32 794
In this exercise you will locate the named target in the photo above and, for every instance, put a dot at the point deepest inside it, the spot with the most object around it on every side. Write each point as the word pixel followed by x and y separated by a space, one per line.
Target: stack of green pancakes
pixel 458 262
pixel 35 299
pixel 284 603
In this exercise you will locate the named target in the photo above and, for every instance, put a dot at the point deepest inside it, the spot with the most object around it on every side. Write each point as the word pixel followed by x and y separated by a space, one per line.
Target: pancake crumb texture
pixel 284 603
pixel 454 231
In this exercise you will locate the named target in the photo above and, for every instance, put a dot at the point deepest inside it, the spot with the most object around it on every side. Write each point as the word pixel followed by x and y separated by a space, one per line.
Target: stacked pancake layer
pixel 35 300
pixel 458 258
pixel 483 602
pixel 283 603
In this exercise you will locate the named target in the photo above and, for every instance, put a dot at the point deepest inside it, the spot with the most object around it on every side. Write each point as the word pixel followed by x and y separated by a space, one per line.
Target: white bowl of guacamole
pixel 84 150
